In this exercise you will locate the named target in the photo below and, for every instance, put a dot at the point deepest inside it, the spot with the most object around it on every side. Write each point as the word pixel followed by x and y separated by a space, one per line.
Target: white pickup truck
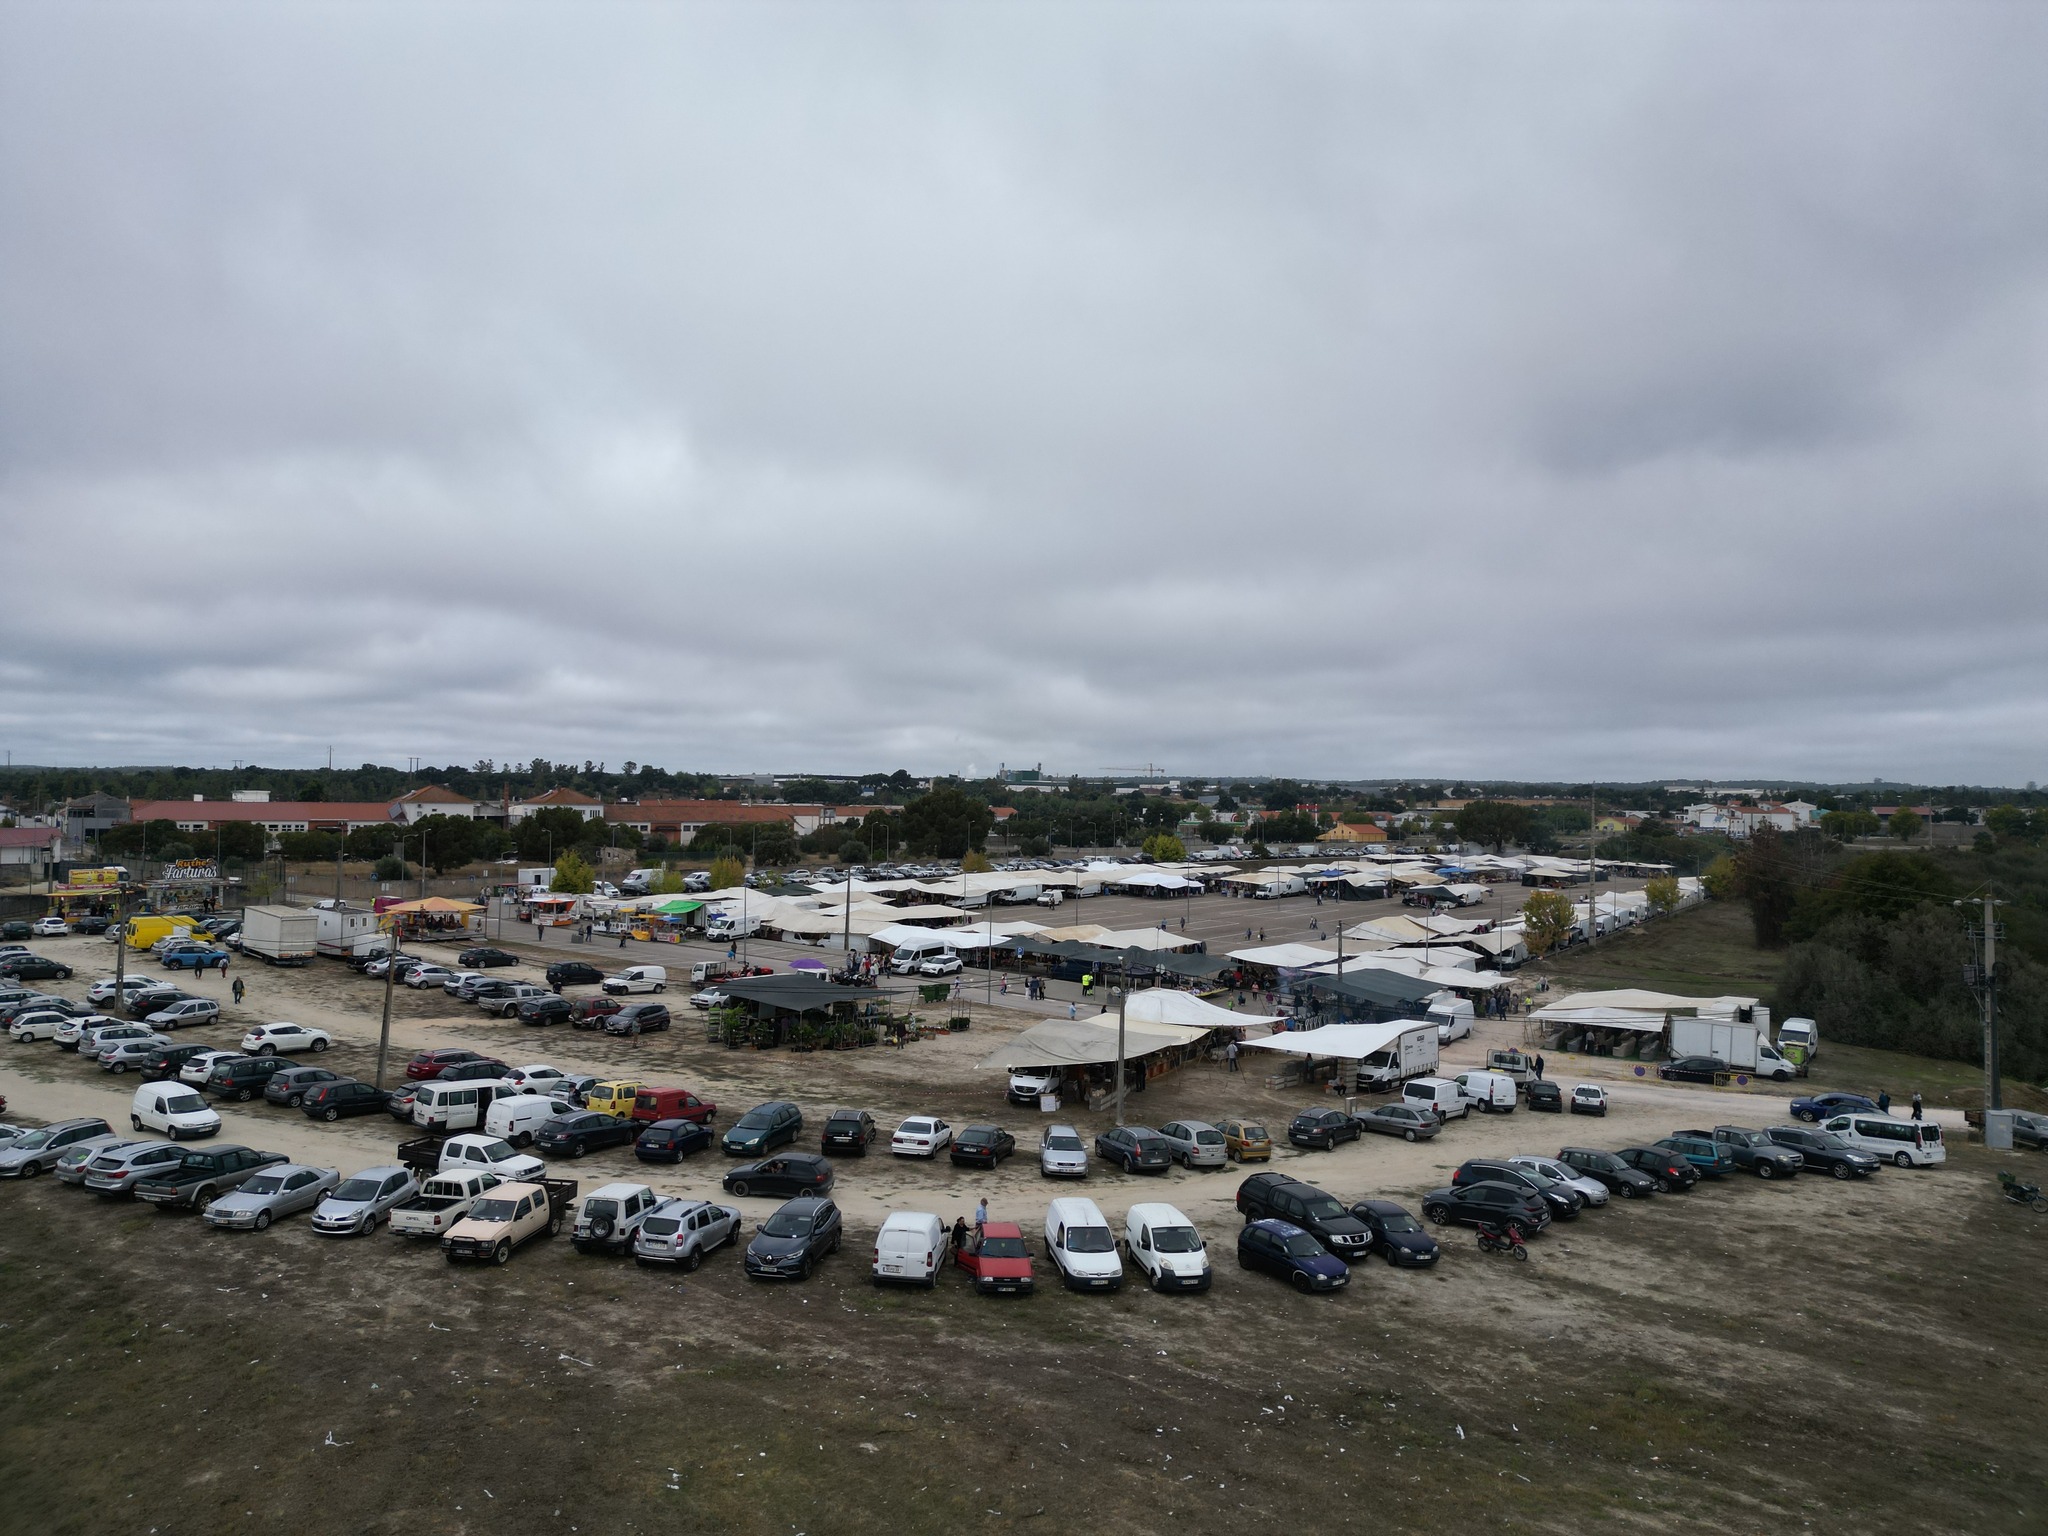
pixel 468 1154
pixel 442 1201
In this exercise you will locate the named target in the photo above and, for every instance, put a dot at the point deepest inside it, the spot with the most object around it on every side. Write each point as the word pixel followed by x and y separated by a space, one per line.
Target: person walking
pixel 1884 1101
pixel 239 989
pixel 1072 1011
pixel 1916 1104
pixel 981 1216
pixel 1230 1056
pixel 622 938
pixel 1539 1066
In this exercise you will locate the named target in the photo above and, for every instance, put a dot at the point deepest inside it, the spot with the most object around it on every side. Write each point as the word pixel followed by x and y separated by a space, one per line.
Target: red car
pixel 431 1063
pixel 997 1260
pixel 654 1104
pixel 591 1012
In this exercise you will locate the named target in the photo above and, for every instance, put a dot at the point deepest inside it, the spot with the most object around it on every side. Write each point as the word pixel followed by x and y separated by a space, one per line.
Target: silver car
pixel 38 1151
pixel 116 1169
pixel 360 1201
pixel 684 1231
pixel 266 1196
pixel 120 1055
pixel 93 1041
pixel 1584 1184
pixel 74 1163
pixel 1194 1143
pixel 1062 1154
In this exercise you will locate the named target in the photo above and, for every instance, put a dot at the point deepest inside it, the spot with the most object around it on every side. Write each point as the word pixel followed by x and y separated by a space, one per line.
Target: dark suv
pixel 1561 1200
pixel 1487 1202
pixel 245 1076
pixel 1824 1149
pixel 1315 1211
pixel 545 1010
pixel 330 1101
pixel 1322 1128
pixel 573 973
pixel 1626 1181
pixel 1753 1150
pixel 762 1129
pixel 640 1018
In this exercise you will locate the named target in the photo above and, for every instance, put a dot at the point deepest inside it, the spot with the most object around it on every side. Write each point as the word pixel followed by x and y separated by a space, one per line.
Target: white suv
pixel 609 1218
pixel 271 1039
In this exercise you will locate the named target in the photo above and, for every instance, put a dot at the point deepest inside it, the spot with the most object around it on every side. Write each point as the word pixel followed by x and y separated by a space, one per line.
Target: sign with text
pixel 191 869
pixel 95 877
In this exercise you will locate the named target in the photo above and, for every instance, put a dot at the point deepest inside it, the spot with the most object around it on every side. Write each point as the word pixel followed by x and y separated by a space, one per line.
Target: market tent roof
pixel 1436 975
pixel 1347 1042
pixel 1450 954
pixel 1627 1000
pixel 434 904
pixel 1170 1005
pixel 1074 932
pixel 1382 989
pixel 805 993
pixel 1082 1043
pixel 676 907
pixel 1604 1018
pixel 1152 879
pixel 1143 938
pixel 1286 957
pixel 1394 927
pixel 1179 965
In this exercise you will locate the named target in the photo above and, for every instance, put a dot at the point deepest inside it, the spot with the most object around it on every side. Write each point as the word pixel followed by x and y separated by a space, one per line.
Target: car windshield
pixel 1748 1138
pixel 1176 1240
pixel 754 1120
pixel 1827 1141
pixel 917 1127
pixel 787 1224
pixel 1605 1161
pixel 602 1208
pixel 263 1184
pixel 1063 1144
pixel 1400 1221
pixel 1300 1246
pixel 1090 1240
pixel 359 1189
pixel 1323 1207
pixel 33 1140
pixel 1147 1139
pixel 1930 1135
pixel 1002 1248
pixel 184 1104
pixel 845 1122
pixel 488 1210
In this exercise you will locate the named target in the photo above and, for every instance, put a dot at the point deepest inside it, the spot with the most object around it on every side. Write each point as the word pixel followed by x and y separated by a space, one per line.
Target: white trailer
pixel 280 935
pixel 338 930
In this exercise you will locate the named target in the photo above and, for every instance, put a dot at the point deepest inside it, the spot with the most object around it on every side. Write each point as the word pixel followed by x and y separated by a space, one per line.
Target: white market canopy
pixel 1157 1019
pixel 1143 938
pixel 1285 957
pixel 1628 1000
pixel 1345 1042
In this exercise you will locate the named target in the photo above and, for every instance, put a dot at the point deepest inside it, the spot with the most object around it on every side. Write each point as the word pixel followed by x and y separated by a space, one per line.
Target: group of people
pixel 965 1241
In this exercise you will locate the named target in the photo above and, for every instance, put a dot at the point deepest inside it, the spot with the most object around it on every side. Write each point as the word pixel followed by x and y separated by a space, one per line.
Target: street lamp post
pixel 1120 993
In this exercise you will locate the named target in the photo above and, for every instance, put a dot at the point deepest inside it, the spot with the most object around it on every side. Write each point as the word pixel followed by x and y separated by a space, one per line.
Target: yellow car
pixel 1245 1141
pixel 613 1098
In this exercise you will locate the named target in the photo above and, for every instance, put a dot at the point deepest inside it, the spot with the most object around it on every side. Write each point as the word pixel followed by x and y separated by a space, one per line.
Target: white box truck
pixel 1412 1053
pixel 280 935
pixel 1745 1047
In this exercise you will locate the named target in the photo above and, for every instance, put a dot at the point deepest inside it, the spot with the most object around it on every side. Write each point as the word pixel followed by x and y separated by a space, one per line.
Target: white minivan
pixel 456 1106
pixel 1491 1091
pixel 1904 1143
pixel 1166 1247
pixel 1081 1245
pixel 1437 1093
pixel 173 1109
pixel 910 1248
pixel 518 1117
pixel 638 978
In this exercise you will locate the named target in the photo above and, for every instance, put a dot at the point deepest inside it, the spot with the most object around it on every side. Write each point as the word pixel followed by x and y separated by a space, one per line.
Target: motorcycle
pixel 1493 1240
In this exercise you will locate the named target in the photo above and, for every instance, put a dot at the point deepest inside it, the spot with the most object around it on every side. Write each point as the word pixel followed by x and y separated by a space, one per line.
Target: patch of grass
pixel 1707 951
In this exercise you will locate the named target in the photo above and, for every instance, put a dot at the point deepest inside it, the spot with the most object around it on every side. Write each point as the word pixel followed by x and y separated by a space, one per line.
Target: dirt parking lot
pixel 1743 1358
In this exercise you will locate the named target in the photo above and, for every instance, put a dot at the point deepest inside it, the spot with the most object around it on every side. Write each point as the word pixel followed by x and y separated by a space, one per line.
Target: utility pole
pixel 1120 994
pixel 1983 980
pixel 390 975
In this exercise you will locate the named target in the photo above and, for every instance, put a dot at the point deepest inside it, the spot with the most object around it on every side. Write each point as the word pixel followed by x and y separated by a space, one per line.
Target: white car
pixel 105 989
pixel 454 984
pixel 710 997
pixel 50 928
pixel 1062 1154
pixel 427 976
pixel 1588 1099
pixel 537 1077
pixel 271 1039
pixel 1166 1247
pixel 939 965
pixel 48 1024
pixel 198 1068
pixel 1594 1191
pixel 173 1109
pixel 921 1136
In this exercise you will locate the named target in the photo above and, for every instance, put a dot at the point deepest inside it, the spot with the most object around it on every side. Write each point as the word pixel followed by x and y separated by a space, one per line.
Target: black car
pixel 1315 1211
pixel 1562 1200
pixel 484 1069
pixel 488 986
pixel 670 1141
pixel 94 925
pixel 1694 1069
pixel 331 1101
pixel 1542 1094
pixel 1488 1202
pixel 1669 1169
pixel 641 1018
pixel 1322 1128
pixel 1135 1148
pixel 1824 1149
pixel 787 1174
pixel 573 973
pixel 148 1000
pixel 289 1086
pixel 983 1146
pixel 546 1010
pixel 790 1244
pixel 34 968
pixel 1610 1169
pixel 849 1130
pixel 16 930
pixel 169 1061
pixel 763 1128
pixel 482 959
pixel 574 1135
pixel 245 1076
pixel 1401 1240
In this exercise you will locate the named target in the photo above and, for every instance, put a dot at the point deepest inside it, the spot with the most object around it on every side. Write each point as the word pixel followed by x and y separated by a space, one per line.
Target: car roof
pixel 1157 1213
pixel 377 1172
pixel 617 1191
pixel 1383 1207
pixel 1078 1209
pixel 1275 1225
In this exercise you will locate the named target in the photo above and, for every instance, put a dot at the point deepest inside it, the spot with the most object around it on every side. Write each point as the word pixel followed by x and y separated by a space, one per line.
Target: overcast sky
pixel 1613 391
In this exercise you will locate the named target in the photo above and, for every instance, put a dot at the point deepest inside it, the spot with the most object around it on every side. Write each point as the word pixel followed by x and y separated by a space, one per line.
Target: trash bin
pixel 1998 1129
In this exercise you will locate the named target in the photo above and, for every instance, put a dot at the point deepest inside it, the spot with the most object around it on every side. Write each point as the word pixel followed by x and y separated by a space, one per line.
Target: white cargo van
pixel 1081 1245
pixel 1903 1143
pixel 1166 1247
pixel 727 926
pixel 517 1117
pixel 1412 1053
pixel 172 1108
pixel 914 952
pixel 1452 1017
pixel 1437 1093
pixel 910 1248
pixel 457 1106
pixel 1030 1084
pixel 638 978
pixel 1491 1091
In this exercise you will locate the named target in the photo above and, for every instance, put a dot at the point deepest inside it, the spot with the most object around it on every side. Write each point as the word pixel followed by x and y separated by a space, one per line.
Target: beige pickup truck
pixel 507 1216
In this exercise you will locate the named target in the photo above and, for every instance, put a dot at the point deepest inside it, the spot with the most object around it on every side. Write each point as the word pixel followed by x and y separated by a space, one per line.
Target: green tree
pixel 1662 893
pixel 668 883
pixel 1165 848
pixel 548 831
pixel 1847 826
pixel 726 872
pixel 1719 878
pixel 853 851
pixel 1905 825
pixel 945 824
pixel 391 867
pixel 247 842
pixel 2009 824
pixel 301 847
pixel 1494 823
pixel 975 862
pixel 573 877
pixel 1547 919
